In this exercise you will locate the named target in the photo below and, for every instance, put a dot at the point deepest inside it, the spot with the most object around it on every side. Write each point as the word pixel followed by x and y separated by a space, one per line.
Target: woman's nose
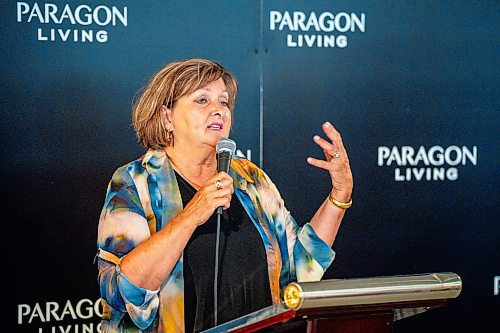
pixel 218 110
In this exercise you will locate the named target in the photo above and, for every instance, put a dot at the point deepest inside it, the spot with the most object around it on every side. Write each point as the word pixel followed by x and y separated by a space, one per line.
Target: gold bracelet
pixel 339 204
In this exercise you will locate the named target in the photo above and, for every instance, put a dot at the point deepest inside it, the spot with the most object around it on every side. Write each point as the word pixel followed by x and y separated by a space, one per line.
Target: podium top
pixel 362 291
pixel 405 295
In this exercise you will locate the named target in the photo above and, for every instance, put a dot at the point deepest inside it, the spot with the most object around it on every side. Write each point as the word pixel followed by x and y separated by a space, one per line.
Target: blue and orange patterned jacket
pixel 143 196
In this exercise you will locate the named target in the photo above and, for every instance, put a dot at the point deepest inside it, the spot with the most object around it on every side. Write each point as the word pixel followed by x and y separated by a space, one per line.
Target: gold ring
pixel 218 184
pixel 336 154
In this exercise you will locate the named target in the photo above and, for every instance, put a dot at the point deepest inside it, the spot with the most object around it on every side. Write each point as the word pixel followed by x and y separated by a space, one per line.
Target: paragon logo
pixel 300 25
pixel 78 16
pixel 44 314
pixel 433 164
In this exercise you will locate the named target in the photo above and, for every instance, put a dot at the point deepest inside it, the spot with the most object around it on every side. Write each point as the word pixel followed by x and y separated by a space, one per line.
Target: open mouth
pixel 215 126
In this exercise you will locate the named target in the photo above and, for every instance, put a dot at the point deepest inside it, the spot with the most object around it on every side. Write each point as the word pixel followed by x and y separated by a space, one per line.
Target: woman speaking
pixel 157 229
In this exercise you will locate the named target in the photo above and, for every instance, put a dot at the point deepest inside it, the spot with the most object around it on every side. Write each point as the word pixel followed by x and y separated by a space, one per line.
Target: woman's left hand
pixel 337 163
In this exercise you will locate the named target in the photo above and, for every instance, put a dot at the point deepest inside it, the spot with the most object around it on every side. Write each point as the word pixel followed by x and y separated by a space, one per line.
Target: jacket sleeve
pixel 123 226
pixel 305 256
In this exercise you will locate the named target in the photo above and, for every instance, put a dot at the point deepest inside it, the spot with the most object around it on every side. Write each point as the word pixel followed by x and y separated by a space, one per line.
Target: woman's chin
pixel 213 139
pixel 219 134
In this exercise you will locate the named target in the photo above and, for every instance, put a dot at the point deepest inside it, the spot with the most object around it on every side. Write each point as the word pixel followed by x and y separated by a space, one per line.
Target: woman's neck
pixel 194 166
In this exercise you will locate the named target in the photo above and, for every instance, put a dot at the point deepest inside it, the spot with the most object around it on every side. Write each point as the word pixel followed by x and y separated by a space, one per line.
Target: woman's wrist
pixel 189 220
pixel 342 201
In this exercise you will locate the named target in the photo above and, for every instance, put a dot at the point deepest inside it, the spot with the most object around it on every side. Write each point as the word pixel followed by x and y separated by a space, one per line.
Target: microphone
pixel 225 151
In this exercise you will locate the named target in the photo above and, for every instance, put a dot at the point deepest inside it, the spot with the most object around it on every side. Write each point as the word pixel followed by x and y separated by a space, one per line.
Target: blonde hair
pixel 166 87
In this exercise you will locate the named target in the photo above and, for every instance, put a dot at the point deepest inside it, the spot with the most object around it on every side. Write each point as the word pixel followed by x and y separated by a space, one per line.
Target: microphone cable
pixel 217 240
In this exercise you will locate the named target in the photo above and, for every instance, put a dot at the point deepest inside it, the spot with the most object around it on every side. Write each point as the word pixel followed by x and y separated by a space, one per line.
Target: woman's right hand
pixel 209 197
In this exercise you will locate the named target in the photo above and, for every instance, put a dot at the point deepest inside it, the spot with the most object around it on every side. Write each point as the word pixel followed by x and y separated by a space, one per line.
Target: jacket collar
pixel 154 160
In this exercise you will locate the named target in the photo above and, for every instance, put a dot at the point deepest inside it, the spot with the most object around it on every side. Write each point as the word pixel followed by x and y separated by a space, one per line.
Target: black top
pixel 243 280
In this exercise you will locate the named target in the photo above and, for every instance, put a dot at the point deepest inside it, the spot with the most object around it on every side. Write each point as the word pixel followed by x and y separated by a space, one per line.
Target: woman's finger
pixel 325 145
pixel 218 182
pixel 332 133
pixel 335 136
pixel 321 164
pixel 330 150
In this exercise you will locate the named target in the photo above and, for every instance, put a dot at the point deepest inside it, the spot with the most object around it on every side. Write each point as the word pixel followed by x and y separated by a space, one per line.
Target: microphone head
pixel 226 145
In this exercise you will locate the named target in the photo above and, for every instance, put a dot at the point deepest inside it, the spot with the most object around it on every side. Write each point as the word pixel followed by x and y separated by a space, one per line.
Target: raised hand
pixel 336 162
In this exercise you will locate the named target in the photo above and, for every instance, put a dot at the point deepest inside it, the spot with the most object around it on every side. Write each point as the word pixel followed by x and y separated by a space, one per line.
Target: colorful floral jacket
pixel 143 196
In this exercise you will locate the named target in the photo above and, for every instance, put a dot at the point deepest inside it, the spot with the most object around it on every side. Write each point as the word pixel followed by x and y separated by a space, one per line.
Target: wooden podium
pixel 349 305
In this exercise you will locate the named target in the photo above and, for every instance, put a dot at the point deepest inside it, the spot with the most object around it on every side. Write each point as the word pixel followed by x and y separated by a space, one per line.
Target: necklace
pixel 190 187
pixel 184 178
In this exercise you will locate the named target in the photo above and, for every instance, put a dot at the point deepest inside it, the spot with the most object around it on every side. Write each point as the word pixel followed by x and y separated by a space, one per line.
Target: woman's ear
pixel 167 117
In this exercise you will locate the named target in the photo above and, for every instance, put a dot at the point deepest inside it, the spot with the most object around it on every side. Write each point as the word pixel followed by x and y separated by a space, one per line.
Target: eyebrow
pixel 208 89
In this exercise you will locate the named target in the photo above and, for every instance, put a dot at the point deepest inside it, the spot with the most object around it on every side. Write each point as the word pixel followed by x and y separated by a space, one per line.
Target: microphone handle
pixel 223 162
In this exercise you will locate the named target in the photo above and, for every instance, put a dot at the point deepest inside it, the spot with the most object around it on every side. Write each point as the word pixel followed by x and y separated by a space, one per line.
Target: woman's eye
pixel 201 101
pixel 224 103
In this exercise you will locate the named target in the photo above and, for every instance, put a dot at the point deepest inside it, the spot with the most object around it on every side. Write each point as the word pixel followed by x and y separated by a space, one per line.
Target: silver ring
pixel 336 154
pixel 218 184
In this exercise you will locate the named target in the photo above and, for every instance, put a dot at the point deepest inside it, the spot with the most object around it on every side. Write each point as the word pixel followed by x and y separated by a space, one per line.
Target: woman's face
pixel 201 118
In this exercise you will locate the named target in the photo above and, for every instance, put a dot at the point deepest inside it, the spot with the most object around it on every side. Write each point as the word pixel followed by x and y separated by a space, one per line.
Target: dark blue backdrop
pixel 418 74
